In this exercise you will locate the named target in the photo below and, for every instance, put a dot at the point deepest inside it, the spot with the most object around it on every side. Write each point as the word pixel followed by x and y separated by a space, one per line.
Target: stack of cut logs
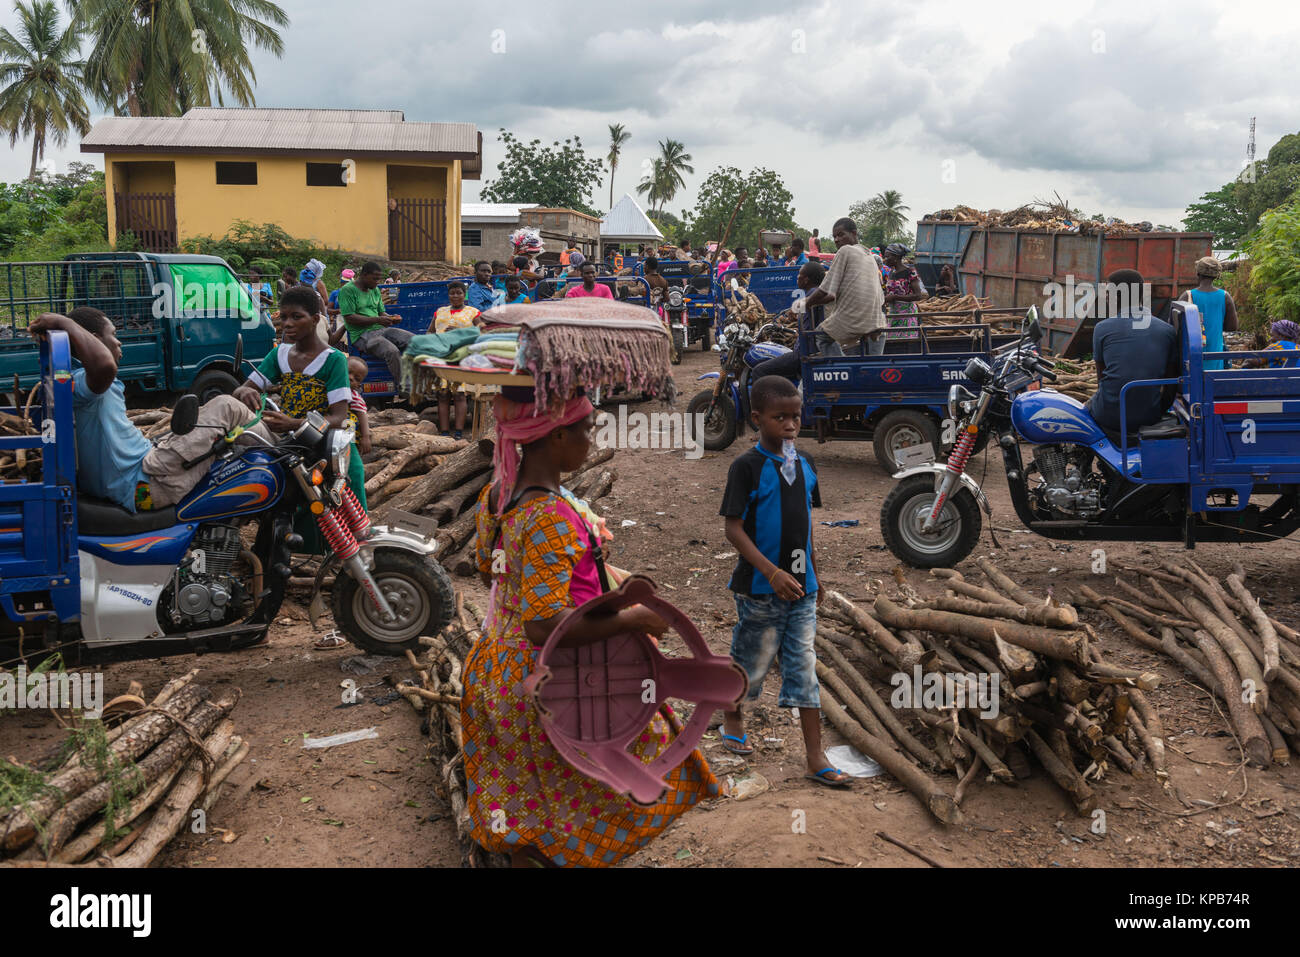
pixel 151 777
pixel 436 693
pixel 1076 379
pixel 1216 631
pixel 1057 701
pixel 18 464
pixel 964 303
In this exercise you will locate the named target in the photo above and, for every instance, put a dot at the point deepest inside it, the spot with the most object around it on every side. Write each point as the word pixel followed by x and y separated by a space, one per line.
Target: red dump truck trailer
pixel 1012 267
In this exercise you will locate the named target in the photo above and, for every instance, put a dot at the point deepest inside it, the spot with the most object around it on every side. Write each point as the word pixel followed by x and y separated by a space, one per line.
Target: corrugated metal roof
pixel 627 221
pixel 256 131
pixel 493 212
pixel 279 115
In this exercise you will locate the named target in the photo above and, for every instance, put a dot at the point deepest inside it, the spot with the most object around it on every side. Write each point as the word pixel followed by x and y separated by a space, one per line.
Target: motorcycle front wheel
pixel 418 591
pixel 903 516
pixel 719 425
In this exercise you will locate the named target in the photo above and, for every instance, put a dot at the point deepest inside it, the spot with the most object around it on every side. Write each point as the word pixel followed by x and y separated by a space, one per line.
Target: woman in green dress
pixel 312 376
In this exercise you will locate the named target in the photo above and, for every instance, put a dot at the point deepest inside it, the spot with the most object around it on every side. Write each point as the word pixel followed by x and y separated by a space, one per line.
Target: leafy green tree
pixel 151 58
pixel 617 137
pixel 768 205
pixel 674 160
pixel 1274 252
pixel 42 73
pixel 1233 211
pixel 881 219
pixel 561 175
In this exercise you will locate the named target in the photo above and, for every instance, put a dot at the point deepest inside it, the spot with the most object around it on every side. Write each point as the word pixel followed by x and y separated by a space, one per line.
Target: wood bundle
pixel 435 692
pixel 1049 215
pixel 121 794
pixel 1056 700
pixel 965 303
pixel 1216 631
pixel 19 464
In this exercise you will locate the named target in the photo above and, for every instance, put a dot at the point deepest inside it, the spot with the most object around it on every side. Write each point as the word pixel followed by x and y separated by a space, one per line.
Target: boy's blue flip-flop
pixel 743 749
pixel 821 778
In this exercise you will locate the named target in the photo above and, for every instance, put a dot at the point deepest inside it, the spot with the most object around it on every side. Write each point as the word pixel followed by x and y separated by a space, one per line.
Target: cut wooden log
pixel 1250 732
pixel 1263 627
pixel 452 503
pixel 887 716
pixel 457 468
pixel 65 821
pixel 1064 774
pixel 1048 615
pixel 1252 677
pixel 418 449
pixel 1067 646
pixel 174 810
pixel 20 828
pixel 1009 588
pixel 938 802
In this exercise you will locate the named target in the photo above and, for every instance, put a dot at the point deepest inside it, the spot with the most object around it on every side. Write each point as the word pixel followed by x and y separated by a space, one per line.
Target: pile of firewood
pixel 1058 702
pixel 1216 631
pixel 1050 214
pixel 1075 379
pixel 118 795
pixel 435 693
pixel 18 464
pixel 964 303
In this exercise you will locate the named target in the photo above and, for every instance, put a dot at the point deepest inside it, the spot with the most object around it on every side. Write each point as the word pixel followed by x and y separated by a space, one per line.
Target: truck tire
pixel 424 602
pixel 720 427
pixel 900 429
pixel 904 511
pixel 211 383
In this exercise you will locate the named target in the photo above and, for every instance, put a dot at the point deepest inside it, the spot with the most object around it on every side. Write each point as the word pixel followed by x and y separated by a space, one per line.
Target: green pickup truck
pixel 177 316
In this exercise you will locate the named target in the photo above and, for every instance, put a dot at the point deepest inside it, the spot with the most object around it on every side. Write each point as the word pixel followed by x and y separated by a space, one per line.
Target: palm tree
pixel 159 59
pixel 675 161
pixel 42 97
pixel 617 137
pixel 652 184
pixel 888 212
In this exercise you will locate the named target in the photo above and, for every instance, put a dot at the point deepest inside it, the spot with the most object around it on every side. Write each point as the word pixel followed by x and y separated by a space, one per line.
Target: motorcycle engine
pixel 1068 483
pixel 203 592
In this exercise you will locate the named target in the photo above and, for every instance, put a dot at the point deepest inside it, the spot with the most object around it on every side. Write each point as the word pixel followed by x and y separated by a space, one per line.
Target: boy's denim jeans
pixel 770 627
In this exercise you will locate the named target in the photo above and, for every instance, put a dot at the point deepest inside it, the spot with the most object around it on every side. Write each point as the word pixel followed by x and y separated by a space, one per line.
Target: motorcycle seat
pixel 97 516
pixel 1169 427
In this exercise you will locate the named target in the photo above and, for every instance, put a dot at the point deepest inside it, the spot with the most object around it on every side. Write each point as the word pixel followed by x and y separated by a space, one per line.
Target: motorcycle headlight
pixel 340 449
pixel 675 298
pixel 978 371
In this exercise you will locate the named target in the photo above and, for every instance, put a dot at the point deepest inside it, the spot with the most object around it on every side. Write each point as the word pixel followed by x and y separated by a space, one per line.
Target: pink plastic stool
pixel 594 701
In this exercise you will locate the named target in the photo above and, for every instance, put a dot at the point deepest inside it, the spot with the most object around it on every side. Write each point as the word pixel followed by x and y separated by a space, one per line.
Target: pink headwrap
pixel 523 423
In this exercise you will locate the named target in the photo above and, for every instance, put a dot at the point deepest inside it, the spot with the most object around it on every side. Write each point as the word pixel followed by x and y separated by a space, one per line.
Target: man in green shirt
pixel 369 328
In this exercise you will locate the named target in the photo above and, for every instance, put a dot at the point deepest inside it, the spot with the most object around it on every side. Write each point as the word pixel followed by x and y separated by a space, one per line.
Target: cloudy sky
pixel 1132 109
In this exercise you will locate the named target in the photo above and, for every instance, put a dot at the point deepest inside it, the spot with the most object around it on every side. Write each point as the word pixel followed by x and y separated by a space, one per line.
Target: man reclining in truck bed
pixel 115 461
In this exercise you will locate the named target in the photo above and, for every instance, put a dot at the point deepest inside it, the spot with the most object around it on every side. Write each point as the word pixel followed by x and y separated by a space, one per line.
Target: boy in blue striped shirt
pixel 771 491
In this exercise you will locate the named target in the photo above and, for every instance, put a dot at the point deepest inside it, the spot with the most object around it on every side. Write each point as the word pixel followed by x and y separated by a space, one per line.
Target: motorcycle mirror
pixel 239 355
pixel 185 415
pixel 1035 331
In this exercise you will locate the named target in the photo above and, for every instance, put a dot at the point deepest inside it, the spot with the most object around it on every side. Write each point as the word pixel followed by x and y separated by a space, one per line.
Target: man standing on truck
pixel 1127 347
pixel 371 330
pixel 853 291
pixel 114 460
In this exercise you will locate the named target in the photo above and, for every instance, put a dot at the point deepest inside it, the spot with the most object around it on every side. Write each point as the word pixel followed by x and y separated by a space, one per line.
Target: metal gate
pixel 150 216
pixel 417 230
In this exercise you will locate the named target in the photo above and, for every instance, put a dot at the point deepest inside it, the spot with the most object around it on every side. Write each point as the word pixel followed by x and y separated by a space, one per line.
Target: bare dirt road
pixel 370 803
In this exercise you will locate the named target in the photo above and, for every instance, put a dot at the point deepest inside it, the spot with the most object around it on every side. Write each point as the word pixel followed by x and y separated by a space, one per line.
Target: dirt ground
pixel 371 803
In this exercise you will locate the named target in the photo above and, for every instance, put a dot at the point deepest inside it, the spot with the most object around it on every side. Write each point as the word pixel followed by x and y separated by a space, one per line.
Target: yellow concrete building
pixel 361 180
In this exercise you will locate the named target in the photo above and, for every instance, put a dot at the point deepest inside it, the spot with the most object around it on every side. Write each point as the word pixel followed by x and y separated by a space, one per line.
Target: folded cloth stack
pixel 468 347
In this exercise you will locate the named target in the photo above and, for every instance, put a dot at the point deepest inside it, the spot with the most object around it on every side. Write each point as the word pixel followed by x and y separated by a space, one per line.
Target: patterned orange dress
pixel 521 791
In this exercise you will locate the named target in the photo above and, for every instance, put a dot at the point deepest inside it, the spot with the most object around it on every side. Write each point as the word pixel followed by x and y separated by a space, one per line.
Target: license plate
pixel 922 454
